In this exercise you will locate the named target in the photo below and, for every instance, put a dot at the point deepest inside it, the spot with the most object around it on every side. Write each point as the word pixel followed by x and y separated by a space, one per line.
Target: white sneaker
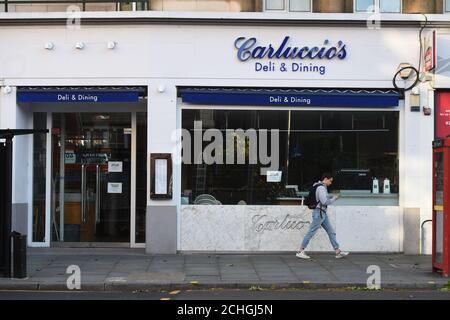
pixel 342 254
pixel 302 255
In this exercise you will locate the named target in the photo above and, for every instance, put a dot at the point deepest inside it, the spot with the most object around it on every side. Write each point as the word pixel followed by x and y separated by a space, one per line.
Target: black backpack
pixel 310 200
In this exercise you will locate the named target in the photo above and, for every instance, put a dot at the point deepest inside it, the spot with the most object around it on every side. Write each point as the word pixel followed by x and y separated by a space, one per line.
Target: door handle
pixel 97 194
pixel 83 193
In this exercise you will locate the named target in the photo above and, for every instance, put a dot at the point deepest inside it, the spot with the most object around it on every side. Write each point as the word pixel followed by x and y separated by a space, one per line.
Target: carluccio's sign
pixel 288 56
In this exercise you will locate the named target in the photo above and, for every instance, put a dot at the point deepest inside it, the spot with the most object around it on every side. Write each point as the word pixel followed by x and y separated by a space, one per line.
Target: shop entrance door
pixel 91 178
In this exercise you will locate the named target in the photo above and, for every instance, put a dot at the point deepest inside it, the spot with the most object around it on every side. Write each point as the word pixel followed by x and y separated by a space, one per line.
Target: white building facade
pixel 120 86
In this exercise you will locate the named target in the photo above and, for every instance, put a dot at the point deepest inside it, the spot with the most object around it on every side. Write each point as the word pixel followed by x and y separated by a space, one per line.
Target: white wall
pixel 195 55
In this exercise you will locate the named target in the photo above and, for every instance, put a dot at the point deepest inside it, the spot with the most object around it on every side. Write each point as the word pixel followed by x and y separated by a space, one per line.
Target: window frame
pixel 287 6
pixel 377 6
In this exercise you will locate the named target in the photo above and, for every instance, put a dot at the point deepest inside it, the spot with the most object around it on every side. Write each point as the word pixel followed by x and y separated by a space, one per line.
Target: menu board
pixel 160 176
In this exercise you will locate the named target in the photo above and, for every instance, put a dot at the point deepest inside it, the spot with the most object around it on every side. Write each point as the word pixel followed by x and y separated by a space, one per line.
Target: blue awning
pixel 78 94
pixel 291 97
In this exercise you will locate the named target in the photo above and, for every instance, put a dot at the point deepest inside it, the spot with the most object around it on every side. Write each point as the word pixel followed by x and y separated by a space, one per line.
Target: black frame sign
pixel 160 176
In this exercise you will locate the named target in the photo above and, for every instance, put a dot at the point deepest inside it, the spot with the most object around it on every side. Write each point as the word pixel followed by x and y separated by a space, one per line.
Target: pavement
pixel 133 270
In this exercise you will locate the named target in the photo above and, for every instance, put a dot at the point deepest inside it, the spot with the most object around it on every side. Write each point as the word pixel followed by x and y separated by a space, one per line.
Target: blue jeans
pixel 317 222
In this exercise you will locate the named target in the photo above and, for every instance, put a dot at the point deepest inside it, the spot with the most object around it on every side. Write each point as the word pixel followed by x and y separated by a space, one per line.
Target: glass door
pixel 91 177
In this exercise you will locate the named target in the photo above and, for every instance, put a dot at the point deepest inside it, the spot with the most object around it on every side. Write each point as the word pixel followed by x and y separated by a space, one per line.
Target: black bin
pixel 19 255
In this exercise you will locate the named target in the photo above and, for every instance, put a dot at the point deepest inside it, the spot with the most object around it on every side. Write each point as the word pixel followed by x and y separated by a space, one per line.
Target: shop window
pixel 364 5
pixel 308 143
pixel 447 6
pixel 390 6
pixel 39 170
pixel 336 121
pixel 288 5
pixel 384 6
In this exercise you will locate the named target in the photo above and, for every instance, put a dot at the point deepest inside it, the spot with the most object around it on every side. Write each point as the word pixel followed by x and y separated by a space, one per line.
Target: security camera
pixel 161 88
pixel 406 70
pixel 111 44
pixel 79 45
pixel 49 46
pixel 7 89
pixel 426 111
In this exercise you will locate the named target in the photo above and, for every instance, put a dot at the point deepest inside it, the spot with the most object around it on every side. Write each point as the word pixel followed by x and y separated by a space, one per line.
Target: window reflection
pixel 349 144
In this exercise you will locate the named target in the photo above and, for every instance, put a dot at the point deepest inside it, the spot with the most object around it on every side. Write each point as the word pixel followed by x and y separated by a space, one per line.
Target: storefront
pixel 260 112
pixel 89 174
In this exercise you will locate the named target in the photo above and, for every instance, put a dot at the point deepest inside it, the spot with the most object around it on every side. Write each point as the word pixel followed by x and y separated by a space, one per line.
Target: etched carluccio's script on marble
pixel 263 223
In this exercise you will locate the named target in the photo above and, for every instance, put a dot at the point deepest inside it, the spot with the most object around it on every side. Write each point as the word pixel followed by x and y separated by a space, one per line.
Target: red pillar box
pixel 441 206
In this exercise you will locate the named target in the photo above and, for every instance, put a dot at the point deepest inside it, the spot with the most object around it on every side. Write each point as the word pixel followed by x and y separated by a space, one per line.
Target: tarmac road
pixel 230 295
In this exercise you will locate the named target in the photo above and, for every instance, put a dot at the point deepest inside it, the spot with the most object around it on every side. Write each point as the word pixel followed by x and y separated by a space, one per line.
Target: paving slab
pixel 133 269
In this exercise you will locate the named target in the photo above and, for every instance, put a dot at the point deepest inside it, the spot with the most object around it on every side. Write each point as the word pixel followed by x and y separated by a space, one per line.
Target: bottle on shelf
pixel 375 186
pixel 386 186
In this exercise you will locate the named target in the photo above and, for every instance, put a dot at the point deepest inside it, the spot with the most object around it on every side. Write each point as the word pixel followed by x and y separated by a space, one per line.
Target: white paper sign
pixel 114 187
pixel 160 176
pixel 273 176
pixel 115 166
pixel 70 157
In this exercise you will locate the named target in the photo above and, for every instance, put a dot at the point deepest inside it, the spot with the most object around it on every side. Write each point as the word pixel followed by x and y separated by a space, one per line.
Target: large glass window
pixel 447 6
pixel 275 5
pixel 290 5
pixel 385 6
pixel 298 145
pixel 390 6
pixel 300 5
pixel 364 5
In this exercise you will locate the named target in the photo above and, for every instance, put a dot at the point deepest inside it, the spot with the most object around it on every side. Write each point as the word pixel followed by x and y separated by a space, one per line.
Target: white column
pixel 162 226
pixel 411 159
pixel 426 167
pixel 162 123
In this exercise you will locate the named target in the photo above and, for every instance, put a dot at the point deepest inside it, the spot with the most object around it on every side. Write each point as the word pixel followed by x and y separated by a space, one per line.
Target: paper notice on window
pixel 114 187
pixel 160 176
pixel 70 157
pixel 273 176
pixel 115 166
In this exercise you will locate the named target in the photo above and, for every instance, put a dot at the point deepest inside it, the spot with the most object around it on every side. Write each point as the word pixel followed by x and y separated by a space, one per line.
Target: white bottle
pixel 375 186
pixel 386 186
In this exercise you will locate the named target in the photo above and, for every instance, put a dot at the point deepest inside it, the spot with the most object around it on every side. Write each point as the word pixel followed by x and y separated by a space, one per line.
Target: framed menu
pixel 160 176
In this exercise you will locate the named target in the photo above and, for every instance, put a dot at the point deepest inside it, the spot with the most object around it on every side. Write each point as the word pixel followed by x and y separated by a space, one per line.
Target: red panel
pixel 445 265
pixel 443 115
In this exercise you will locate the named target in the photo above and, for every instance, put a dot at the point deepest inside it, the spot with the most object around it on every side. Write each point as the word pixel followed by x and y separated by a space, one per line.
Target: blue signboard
pixel 296 98
pixel 77 96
